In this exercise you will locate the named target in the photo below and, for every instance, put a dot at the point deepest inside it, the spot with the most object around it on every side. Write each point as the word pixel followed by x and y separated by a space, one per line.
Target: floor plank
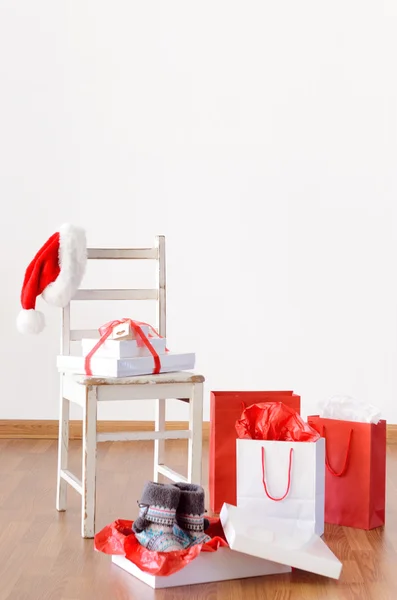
pixel 42 556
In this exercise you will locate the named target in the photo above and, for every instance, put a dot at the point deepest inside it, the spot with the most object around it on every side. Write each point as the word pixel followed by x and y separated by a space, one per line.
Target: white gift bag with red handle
pixel 283 480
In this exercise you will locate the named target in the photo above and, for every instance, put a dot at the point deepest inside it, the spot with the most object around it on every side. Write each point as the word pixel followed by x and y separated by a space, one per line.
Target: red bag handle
pixel 289 476
pixel 345 463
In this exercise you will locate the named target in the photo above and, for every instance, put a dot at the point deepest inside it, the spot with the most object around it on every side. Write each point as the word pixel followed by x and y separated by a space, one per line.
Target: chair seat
pixel 162 378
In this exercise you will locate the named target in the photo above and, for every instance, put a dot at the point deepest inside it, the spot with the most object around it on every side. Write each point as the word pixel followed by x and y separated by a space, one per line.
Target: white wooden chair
pixel 88 391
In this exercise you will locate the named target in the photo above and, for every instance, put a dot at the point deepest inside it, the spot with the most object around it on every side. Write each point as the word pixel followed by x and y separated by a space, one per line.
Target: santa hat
pixel 55 272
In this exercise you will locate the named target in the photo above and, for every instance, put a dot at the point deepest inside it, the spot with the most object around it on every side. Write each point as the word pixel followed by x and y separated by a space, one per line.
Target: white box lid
pixel 282 541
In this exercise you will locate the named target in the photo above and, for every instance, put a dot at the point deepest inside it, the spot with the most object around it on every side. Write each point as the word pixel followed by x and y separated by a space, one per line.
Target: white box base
pixel 126 367
pixel 222 565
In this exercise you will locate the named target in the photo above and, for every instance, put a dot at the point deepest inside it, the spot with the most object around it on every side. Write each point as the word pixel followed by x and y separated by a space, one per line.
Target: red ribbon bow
pixel 141 338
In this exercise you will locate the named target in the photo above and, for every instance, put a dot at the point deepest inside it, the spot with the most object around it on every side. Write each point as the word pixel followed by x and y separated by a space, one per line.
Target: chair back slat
pixel 146 294
pixel 123 253
pixel 76 335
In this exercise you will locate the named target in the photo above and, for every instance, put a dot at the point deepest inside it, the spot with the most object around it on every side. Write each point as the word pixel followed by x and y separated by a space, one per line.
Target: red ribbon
pixel 141 338
pixel 345 462
pixel 264 478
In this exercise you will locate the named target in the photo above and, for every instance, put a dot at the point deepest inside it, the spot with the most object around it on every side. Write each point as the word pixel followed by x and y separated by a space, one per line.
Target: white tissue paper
pixel 345 408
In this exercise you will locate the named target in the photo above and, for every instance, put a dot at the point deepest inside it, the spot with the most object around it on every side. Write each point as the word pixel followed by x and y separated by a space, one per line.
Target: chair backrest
pixel 157 254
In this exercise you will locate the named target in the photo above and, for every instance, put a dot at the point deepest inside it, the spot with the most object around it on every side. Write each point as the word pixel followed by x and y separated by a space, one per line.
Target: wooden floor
pixel 42 556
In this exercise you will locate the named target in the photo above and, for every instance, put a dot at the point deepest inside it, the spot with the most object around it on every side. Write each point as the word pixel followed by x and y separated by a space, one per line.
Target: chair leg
pixel 159 445
pixel 196 434
pixel 89 464
pixel 63 449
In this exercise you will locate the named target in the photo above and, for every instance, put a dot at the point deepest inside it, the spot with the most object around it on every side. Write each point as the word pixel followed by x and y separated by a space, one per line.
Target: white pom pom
pixel 30 321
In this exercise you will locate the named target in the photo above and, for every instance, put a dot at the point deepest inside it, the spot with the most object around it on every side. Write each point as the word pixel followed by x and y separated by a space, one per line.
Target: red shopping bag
pixel 226 409
pixel 355 480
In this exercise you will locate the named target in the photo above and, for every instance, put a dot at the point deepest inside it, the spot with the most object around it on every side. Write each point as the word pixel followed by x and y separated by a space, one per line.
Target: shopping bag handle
pixel 264 478
pixel 345 463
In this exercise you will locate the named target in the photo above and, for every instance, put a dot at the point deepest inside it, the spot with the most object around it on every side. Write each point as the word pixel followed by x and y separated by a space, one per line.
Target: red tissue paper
pixel 119 538
pixel 274 421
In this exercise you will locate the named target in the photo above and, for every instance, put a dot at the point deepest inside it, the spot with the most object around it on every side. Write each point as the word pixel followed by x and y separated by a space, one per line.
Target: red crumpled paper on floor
pixel 274 421
pixel 119 538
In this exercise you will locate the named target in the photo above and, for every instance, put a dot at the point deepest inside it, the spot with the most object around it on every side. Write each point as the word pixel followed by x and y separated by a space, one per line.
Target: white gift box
pixel 278 483
pixel 279 540
pixel 123 348
pixel 222 565
pixel 127 367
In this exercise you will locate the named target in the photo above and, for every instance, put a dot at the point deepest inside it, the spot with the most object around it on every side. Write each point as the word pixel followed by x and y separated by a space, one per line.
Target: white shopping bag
pixel 283 480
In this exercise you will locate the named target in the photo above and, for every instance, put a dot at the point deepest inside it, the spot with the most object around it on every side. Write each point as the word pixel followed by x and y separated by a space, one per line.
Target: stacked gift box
pixel 126 348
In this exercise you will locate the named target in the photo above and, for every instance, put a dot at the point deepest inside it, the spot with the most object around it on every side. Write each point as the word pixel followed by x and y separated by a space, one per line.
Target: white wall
pixel 259 137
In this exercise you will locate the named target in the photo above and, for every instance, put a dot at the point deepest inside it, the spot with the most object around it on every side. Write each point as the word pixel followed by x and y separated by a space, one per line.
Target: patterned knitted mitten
pixel 190 522
pixel 154 525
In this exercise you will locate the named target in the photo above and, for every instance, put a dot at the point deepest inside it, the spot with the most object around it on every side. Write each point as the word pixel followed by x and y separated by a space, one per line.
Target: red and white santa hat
pixel 55 272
